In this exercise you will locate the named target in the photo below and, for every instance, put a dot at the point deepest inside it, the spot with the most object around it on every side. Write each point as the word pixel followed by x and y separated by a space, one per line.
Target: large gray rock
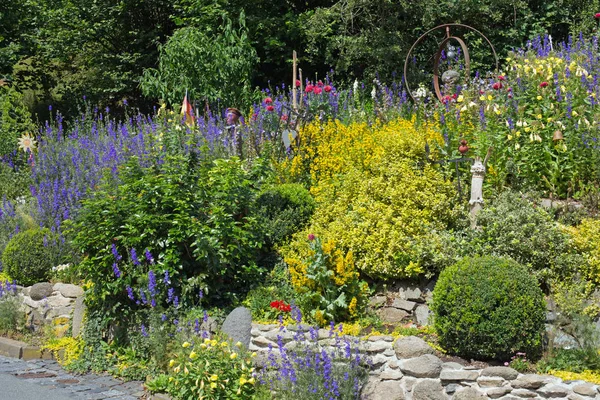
pixel 469 393
pixel 459 375
pixel 529 381
pixel 391 374
pixel 412 293
pixel 41 290
pixel 392 315
pixel 491 381
pixel 425 366
pixel 68 290
pixel 405 305
pixel 377 301
pixel 585 389
pixel 428 389
pixel 422 315
pixel 238 325
pixel 496 392
pixel 505 372
pixel 553 391
pixel 527 394
pixel 78 312
pixel 411 346
pixel 382 390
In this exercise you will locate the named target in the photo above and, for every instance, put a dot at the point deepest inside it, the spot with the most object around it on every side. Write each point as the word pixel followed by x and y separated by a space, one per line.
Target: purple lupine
pixel 116 270
pixel 170 295
pixel 148 256
pixel 134 258
pixel 130 293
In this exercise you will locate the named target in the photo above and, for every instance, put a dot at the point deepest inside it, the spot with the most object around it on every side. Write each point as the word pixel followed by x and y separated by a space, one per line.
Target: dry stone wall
pixel 408 369
pixel 59 305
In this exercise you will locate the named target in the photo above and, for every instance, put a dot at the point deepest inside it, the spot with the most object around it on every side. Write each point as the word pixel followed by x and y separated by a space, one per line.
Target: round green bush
pixel 285 209
pixel 488 308
pixel 30 255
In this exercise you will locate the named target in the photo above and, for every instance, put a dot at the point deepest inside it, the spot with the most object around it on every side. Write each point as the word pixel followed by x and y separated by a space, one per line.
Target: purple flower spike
pixel 116 270
pixel 134 258
pixel 149 257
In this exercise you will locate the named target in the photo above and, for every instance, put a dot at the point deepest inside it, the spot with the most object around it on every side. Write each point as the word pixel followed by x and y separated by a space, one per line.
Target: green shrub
pixel 489 308
pixel 190 217
pixel 15 120
pixel 277 287
pixel 12 318
pixel 14 182
pixel 30 255
pixel 512 226
pixel 286 209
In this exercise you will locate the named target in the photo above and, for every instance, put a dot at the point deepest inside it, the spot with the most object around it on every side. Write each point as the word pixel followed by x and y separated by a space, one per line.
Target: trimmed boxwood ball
pixel 489 308
pixel 30 255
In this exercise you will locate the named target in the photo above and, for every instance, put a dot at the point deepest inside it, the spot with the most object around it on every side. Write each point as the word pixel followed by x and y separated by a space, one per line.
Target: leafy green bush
pixel 15 119
pixel 187 216
pixel 489 308
pixel 14 182
pixel 512 226
pixel 12 318
pixel 30 255
pixel 286 209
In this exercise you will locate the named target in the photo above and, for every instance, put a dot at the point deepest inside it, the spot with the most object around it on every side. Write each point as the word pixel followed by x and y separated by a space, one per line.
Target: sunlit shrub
pixel 490 308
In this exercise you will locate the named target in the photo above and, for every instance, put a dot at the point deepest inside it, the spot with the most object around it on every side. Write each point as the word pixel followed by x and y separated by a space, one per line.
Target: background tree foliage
pixel 57 51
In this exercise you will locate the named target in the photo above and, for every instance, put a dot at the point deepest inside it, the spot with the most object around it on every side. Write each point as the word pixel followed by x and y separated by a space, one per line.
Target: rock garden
pixel 329 239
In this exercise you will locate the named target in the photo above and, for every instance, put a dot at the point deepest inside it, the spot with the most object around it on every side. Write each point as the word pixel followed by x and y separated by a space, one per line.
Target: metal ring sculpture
pixel 438 55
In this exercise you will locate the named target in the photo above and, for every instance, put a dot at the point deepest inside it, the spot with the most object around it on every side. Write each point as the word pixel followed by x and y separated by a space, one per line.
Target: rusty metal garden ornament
pixel 449 77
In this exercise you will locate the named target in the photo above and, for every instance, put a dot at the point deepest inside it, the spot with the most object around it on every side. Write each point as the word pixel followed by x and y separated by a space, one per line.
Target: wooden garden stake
pixel 294 78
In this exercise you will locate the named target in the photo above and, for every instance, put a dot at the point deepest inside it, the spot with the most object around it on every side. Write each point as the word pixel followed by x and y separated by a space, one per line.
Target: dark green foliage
pixel 12 319
pixel 489 308
pixel 30 255
pixel 286 209
pixel 212 66
pixel 192 215
pixel 14 182
pixel 512 226
pixel 15 120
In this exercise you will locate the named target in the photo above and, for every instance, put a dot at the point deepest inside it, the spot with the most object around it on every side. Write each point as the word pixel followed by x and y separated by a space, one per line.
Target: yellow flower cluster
pixel 586 239
pixel 588 376
pixel 542 68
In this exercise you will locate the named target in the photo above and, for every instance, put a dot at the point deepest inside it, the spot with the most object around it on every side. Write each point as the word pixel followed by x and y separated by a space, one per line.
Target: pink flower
pixel 320 83
pixel 506 363
pixel 298 83
pixel 327 88
pixel 597 16
pixel 284 117
pixel 268 100
pixel 497 85
pixel 309 88
pixel 543 84
pixel 311 236
pixel 270 108
pixel 501 78
pixel 318 90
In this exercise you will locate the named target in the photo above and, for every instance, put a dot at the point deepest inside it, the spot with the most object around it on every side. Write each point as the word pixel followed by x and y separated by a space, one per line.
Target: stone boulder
pixel 238 326
pixel 411 346
pixel 529 381
pixel 426 366
pixel 68 290
pixel 40 291
pixel 428 389
pixel 392 315
pixel 382 390
pixel 504 372
pixel 422 315
pixel 469 393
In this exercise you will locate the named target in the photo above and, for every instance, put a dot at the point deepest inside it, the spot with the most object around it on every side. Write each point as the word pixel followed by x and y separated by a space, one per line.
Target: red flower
pixel 285 308
pixel 309 88
pixel 284 117
pixel 447 99
pixel 275 304
pixel 318 90
pixel 501 78
pixel 597 16
pixel 281 306
pixel 298 83
pixel 327 88
pixel 543 84
pixel 497 85
pixel 311 236
pixel 268 100
pixel 320 83
pixel 270 108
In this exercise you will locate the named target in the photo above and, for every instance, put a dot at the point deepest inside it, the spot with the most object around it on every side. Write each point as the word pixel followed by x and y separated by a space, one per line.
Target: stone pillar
pixel 476 201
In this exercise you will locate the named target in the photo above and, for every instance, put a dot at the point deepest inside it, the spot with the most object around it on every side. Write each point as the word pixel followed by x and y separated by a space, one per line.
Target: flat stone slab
pixel 426 366
pixel 529 381
pixel 458 375
pixel 505 372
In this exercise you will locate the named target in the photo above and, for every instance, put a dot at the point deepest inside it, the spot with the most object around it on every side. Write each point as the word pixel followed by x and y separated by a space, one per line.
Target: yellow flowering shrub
pixel 588 376
pixel 327 283
pixel 65 350
pixel 586 239
pixel 211 369
pixel 385 209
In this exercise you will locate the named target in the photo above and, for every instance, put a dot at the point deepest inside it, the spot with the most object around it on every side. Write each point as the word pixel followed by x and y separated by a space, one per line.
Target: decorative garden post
pixel 476 201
